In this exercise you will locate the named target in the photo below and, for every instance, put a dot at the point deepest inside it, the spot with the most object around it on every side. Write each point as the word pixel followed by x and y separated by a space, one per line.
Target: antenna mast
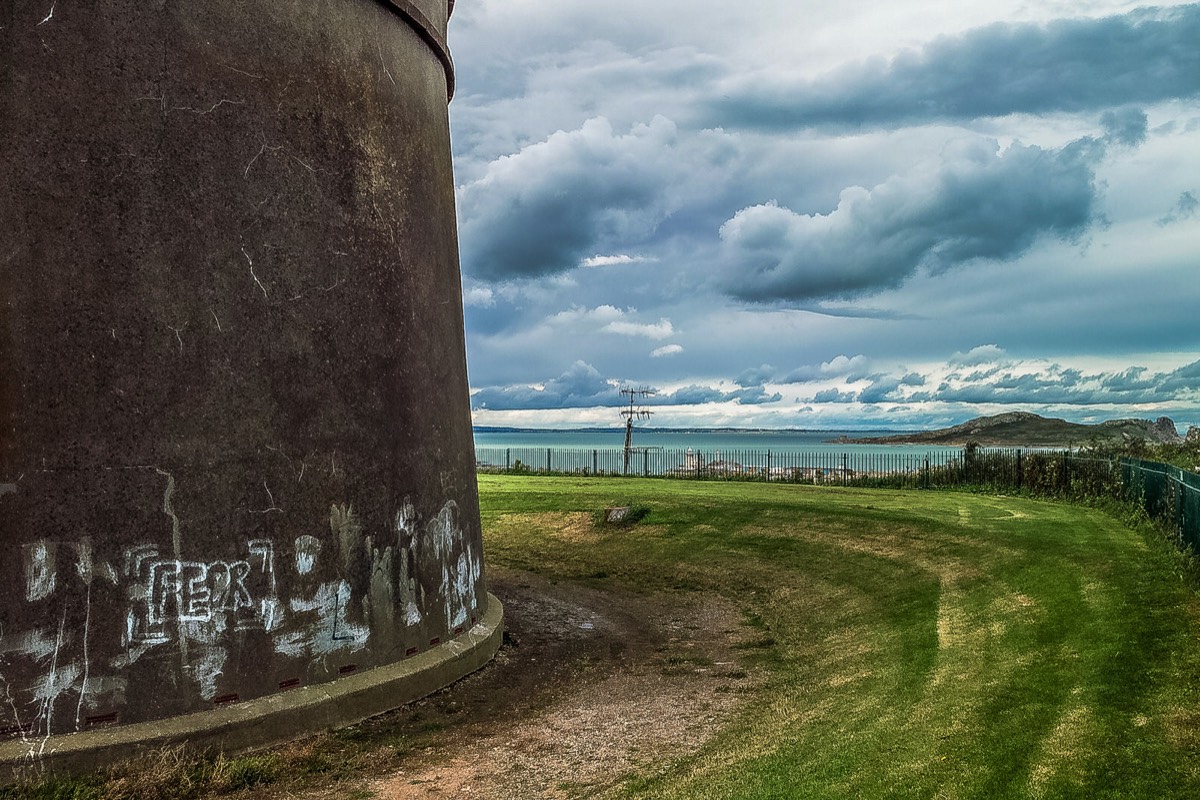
pixel 632 413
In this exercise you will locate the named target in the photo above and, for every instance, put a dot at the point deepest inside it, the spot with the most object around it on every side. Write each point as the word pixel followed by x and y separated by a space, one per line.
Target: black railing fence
pixel 798 467
pixel 1168 494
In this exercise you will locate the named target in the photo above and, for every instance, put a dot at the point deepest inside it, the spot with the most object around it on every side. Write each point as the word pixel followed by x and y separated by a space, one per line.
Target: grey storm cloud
pixel 693 395
pixel 977 375
pixel 1069 377
pixel 852 369
pixel 1125 126
pixel 884 387
pixel 1185 208
pixel 753 396
pixel 581 386
pixel 976 356
pixel 1071 387
pixel 880 391
pixel 1186 379
pixel 1144 56
pixel 755 376
pixel 979 202
pixel 1029 393
pixel 834 396
pixel 555 203
pixel 1130 380
pixel 696 394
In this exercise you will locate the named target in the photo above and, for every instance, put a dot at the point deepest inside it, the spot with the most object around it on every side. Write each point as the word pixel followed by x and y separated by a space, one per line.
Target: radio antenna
pixel 633 412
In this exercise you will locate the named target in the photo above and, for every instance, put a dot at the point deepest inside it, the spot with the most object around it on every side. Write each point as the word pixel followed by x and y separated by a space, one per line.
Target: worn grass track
pixel 918 644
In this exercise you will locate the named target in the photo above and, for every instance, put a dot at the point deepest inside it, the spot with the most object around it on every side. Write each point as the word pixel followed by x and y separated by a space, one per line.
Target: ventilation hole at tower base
pixel 100 720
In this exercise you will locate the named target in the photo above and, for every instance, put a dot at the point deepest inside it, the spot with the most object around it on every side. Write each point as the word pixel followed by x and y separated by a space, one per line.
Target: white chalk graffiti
pixel 40 575
pixel 320 623
pixel 191 591
pixel 328 630
pixel 406 583
pixel 220 594
pixel 338 591
pixel 459 576
pixel 307 550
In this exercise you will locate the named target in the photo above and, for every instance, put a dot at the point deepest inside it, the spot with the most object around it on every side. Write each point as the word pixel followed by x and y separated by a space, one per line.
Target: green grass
pixel 917 644
pixel 168 774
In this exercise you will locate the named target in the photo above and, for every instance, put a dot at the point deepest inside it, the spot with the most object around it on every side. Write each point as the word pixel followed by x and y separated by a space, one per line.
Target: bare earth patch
pixel 590 686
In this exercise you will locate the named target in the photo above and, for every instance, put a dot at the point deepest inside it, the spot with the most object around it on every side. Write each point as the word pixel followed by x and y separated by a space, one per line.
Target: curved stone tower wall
pixel 236 454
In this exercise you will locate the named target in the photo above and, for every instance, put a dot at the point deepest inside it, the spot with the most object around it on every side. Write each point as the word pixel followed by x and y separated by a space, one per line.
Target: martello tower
pixel 235 445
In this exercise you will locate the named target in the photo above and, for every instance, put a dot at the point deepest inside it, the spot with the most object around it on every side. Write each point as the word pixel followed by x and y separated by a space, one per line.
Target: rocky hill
pixel 1023 429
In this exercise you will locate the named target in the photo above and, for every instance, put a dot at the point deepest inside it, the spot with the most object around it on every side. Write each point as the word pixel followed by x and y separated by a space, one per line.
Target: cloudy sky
pixel 829 213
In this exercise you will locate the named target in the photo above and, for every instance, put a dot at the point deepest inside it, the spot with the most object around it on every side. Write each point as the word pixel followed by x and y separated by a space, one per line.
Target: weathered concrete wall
pixel 236 452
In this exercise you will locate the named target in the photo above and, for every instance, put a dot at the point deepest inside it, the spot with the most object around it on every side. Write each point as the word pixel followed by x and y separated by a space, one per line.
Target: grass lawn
pixel 918 644
pixel 914 644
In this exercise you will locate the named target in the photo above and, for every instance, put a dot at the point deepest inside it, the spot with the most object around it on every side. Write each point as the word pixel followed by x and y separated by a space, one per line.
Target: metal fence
pixel 1038 470
pixel 797 467
pixel 1168 494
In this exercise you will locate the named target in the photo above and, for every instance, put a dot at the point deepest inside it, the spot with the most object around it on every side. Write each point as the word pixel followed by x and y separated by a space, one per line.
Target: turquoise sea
pixel 706 441
pixel 776 454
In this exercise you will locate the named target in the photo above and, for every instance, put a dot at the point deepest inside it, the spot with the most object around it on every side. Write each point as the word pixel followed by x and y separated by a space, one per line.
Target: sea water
pixel 704 441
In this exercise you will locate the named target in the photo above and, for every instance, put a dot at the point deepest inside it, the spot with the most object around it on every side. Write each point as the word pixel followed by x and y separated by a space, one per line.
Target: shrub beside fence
pixel 1168 494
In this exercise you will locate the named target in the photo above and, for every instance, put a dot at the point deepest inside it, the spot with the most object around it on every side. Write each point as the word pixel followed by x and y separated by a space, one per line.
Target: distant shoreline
pixel 1010 429
pixel 1024 429
pixel 649 429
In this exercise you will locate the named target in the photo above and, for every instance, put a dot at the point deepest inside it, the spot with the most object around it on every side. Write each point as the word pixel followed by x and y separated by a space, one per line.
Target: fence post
pixel 508 459
pixel 547 459
pixel 595 462
pixel 925 474
pixel 646 463
pixel 768 465
pixel 845 476
pixel 1018 469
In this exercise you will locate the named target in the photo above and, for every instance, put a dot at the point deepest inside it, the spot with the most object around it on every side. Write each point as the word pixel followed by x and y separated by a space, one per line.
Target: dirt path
pixel 588 687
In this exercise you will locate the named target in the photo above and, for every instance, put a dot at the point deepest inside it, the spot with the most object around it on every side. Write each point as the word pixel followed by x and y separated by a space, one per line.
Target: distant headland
pixel 1022 428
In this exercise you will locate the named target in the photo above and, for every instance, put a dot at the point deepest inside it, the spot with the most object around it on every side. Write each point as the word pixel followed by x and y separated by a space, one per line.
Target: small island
pixel 1025 429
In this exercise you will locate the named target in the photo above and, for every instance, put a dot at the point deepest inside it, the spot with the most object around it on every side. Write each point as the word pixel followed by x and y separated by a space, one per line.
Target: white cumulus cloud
pixel 652 330
pixel 613 260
